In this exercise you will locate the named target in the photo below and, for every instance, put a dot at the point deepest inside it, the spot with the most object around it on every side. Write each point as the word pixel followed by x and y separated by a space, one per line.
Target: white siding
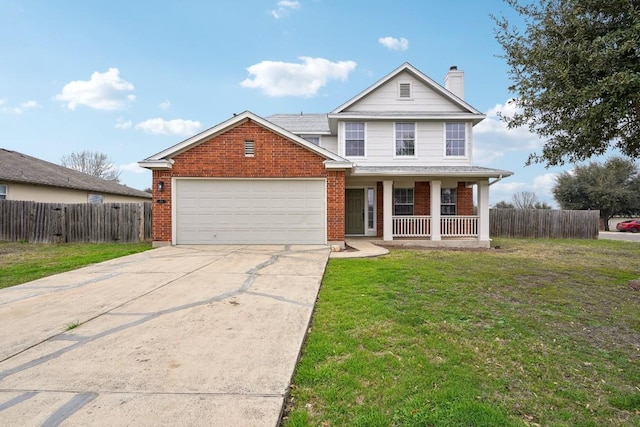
pixel 380 146
pixel 424 98
pixel 330 143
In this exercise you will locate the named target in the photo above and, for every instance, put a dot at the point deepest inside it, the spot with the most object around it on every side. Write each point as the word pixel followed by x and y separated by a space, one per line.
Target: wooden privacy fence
pixel 544 223
pixel 37 222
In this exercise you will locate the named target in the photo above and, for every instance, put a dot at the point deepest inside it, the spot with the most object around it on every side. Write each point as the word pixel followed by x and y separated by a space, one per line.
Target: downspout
pixel 496 180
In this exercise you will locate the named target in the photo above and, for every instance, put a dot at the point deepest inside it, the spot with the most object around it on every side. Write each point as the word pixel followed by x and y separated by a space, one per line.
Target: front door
pixel 354 221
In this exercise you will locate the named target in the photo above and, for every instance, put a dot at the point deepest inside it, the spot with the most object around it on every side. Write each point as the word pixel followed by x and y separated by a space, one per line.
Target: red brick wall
pixel 465 199
pixel 223 156
pixel 379 208
pixel 422 198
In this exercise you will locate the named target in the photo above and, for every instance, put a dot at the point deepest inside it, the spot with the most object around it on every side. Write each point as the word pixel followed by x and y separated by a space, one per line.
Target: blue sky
pixel 131 78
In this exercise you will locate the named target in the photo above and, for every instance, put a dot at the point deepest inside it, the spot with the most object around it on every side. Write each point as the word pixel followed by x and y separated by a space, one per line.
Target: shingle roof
pixel 302 123
pixel 18 167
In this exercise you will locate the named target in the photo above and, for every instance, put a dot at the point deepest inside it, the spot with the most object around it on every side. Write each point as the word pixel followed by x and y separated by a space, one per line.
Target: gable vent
pixel 249 149
pixel 405 90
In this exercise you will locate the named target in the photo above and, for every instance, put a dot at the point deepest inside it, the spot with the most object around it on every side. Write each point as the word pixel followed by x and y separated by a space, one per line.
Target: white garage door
pixel 219 211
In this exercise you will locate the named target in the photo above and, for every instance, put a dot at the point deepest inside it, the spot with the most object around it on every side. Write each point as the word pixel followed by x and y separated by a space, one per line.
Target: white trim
pixel 415 141
pixel 160 159
pixel 343 139
pixel 399 84
pixel 420 76
pixel 466 141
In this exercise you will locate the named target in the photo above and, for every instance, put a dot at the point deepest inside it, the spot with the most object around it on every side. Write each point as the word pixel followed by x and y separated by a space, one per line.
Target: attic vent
pixel 249 149
pixel 405 90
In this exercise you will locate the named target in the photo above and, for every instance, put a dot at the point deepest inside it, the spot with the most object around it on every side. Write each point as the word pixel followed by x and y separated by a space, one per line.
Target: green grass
pixel 23 262
pixel 540 332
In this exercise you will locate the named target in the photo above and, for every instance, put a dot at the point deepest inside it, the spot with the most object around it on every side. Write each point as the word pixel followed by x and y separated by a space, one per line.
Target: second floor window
pixel 354 139
pixel 405 139
pixel 455 140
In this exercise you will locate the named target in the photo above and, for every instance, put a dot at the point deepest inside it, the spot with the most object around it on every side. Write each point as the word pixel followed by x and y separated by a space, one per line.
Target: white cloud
pixel 492 138
pixel 104 91
pixel 284 8
pixel 290 79
pixel 164 105
pixel 393 43
pixel 132 167
pixel 180 127
pixel 21 108
pixel 123 124
pixel 543 185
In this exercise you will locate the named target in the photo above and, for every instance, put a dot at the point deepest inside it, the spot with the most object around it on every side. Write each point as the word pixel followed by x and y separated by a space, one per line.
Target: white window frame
pixel 412 204
pixel 344 127
pixel 4 191
pixel 395 142
pixel 466 140
pixel 405 98
pixel 454 191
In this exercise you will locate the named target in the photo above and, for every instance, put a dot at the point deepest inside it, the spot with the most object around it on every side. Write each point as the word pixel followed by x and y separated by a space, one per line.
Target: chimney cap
pixel 453 68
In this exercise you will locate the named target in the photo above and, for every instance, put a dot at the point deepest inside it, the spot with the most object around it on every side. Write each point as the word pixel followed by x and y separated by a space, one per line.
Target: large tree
pixel 92 163
pixel 611 187
pixel 575 70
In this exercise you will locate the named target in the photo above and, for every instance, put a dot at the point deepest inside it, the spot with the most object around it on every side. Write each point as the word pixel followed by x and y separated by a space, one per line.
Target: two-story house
pixel 395 161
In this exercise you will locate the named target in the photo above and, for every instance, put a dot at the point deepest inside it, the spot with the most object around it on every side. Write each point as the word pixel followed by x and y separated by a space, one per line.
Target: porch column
pixel 483 214
pixel 435 210
pixel 387 210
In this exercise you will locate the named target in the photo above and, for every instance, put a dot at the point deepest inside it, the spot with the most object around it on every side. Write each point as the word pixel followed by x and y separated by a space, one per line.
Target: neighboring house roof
pixel 163 159
pixel 18 167
pixel 431 171
pixel 420 76
pixel 313 124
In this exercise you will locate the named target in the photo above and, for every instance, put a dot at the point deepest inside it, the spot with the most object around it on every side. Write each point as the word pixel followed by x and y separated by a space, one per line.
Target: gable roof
pixel 18 167
pixel 420 76
pixel 163 159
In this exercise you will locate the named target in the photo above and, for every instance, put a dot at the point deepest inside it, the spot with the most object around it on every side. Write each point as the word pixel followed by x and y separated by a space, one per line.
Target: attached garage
pixel 250 211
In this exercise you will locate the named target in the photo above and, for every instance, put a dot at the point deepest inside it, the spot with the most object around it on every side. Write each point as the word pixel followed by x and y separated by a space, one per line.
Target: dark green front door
pixel 354 201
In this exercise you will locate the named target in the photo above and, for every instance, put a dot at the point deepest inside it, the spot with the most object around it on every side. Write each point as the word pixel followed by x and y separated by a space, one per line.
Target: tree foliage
pixel 92 163
pixel 612 187
pixel 575 70
pixel 503 205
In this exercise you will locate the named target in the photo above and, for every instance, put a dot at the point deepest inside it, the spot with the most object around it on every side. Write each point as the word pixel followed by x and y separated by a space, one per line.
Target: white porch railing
pixel 450 226
pixel 459 226
pixel 411 226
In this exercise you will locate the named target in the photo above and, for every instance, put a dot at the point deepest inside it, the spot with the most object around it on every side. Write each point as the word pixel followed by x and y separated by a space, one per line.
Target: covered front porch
pixel 447 209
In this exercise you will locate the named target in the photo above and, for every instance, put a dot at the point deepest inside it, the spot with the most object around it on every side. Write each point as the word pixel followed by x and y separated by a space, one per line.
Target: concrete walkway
pixel 174 336
pixel 360 248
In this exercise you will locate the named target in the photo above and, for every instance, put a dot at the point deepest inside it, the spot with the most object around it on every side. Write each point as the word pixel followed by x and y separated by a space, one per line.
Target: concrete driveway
pixel 617 235
pixel 186 335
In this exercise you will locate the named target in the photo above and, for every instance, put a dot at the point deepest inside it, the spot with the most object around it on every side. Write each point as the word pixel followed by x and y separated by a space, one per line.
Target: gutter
pixel 496 180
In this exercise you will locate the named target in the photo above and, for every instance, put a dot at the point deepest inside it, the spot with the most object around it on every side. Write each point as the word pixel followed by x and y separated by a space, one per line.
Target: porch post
pixel 387 210
pixel 483 214
pixel 435 210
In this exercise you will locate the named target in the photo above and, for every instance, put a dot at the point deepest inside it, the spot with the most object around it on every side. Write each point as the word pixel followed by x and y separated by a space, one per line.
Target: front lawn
pixel 23 262
pixel 537 333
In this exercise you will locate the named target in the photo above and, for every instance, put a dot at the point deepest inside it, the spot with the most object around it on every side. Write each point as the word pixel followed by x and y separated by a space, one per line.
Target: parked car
pixel 632 225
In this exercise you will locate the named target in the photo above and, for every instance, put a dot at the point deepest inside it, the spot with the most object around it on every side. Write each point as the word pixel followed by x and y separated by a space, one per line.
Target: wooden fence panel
pixel 78 222
pixel 544 223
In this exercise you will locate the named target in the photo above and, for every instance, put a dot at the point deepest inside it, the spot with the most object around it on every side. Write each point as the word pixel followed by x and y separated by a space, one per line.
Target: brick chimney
pixel 454 81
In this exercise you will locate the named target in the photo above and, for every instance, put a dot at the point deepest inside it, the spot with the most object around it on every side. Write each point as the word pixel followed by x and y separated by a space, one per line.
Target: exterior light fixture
pixel 160 186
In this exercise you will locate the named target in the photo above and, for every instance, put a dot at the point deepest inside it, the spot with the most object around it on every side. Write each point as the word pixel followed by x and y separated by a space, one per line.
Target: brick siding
pixel 222 156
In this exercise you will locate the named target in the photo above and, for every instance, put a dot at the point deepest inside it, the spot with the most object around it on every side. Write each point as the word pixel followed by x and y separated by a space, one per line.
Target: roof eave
pixel 162 164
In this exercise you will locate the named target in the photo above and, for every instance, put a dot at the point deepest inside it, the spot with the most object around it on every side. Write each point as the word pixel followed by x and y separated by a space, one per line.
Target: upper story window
pixel 403 201
pixel 405 139
pixel 404 91
pixel 455 139
pixel 315 140
pixel 448 201
pixel 3 192
pixel 354 139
